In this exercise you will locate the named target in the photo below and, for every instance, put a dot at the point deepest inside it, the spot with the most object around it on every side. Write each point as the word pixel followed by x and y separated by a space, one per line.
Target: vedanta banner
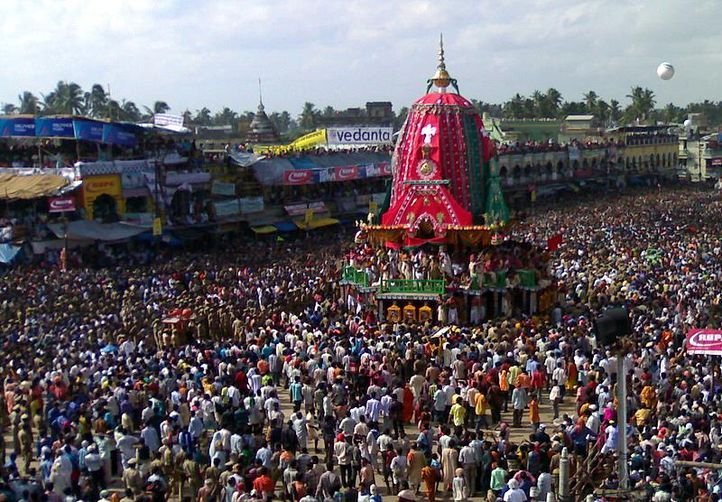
pixel 359 135
pixel 704 341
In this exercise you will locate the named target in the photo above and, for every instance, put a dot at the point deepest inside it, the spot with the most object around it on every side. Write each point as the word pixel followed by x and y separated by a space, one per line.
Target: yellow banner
pixel 157 227
pixel 310 140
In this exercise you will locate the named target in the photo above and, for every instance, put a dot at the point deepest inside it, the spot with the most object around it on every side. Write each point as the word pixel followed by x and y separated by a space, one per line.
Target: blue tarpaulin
pixel 8 252
pixel 286 226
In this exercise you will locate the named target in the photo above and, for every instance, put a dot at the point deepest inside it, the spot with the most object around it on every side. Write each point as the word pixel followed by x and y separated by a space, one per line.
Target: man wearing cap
pixel 132 478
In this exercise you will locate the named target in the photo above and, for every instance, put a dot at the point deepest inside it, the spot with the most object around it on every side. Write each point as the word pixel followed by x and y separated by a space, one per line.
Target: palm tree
pixel 590 99
pixel 541 108
pixel 642 103
pixel 160 107
pixel 96 101
pixel 602 111
pixel 114 110
pixel 66 98
pixel 29 103
pixel 514 108
pixel 226 117
pixel 309 116
pixel 203 117
pixel 615 112
pixel 554 98
pixel 9 109
pixel 130 111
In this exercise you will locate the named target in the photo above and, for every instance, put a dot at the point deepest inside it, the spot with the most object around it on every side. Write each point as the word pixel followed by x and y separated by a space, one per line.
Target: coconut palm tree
pixel 554 98
pixel 590 99
pixel 96 101
pixel 309 116
pixel 66 98
pixel 642 103
pixel 9 109
pixel 29 103
pixel 129 111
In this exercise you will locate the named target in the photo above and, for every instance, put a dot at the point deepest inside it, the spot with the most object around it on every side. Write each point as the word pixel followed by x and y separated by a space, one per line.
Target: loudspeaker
pixel 612 324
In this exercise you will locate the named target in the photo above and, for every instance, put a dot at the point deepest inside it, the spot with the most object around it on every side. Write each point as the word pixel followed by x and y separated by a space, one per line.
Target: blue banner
pixel 17 127
pixel 118 135
pixel 54 127
pixel 88 130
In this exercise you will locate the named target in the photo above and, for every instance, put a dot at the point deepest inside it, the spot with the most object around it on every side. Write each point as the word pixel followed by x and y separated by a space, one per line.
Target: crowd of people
pixel 244 375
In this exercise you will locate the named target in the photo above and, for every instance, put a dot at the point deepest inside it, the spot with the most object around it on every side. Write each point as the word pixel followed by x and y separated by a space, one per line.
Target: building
pixel 377 113
pixel 700 157
pixel 648 149
pixel 578 127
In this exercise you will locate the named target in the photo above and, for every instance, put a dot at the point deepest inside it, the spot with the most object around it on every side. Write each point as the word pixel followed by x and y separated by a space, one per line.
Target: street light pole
pixel 622 423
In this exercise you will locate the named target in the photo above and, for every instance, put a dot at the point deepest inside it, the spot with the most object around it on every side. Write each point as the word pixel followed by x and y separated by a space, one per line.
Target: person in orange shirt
pixel 523 381
pixel 264 485
pixel 504 386
pixel 534 413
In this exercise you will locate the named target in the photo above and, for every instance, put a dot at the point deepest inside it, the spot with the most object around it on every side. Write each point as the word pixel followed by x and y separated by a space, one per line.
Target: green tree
pixel 554 98
pixel 642 103
pixel 96 101
pixel 514 108
pixel 329 111
pixel 309 116
pixel 400 117
pixel 9 109
pixel 203 117
pixel 590 100
pixel 29 103
pixel 67 98
pixel 129 111
pixel 615 111
pixel 602 111
pixel 672 114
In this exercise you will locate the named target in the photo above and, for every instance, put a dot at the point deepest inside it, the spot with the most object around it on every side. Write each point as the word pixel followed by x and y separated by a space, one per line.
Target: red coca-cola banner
pixel 298 177
pixel 704 341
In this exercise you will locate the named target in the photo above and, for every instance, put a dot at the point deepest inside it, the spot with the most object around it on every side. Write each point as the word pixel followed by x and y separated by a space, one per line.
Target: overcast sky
pixel 346 52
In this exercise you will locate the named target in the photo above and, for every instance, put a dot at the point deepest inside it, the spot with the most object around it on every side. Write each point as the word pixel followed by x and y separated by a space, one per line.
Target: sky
pixel 344 53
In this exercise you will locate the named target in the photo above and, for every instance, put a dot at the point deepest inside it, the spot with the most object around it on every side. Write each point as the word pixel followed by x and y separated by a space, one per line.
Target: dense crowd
pixel 247 375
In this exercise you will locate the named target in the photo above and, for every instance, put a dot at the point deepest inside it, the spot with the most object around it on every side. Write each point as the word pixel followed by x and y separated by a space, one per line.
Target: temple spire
pixel 260 95
pixel 441 78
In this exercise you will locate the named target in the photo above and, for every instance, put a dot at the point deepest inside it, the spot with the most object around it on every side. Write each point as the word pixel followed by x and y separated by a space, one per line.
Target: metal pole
pixel 564 476
pixel 622 423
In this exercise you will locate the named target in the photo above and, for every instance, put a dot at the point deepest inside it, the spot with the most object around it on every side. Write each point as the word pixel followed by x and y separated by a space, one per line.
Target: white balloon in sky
pixel 665 71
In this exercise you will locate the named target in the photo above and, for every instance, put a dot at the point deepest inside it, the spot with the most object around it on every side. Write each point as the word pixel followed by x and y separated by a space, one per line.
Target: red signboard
pixel 384 169
pixel 346 173
pixel 61 204
pixel 298 177
pixel 704 341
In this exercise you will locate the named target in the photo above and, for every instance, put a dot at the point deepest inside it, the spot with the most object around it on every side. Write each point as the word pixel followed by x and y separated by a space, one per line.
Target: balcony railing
pixel 413 286
pixel 354 276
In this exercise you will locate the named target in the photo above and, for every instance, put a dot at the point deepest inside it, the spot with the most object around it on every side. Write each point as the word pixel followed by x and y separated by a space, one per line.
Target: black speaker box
pixel 611 325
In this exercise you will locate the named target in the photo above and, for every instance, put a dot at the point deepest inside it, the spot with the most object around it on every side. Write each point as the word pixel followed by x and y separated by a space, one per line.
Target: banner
pixel 704 341
pixel 300 209
pixel 251 205
pixel 298 177
pixel 309 140
pixel 346 173
pixel 364 135
pixel 88 130
pixel 157 227
pixel 167 119
pixel 219 188
pixel 17 127
pixel 54 127
pixel 116 135
pixel 61 204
